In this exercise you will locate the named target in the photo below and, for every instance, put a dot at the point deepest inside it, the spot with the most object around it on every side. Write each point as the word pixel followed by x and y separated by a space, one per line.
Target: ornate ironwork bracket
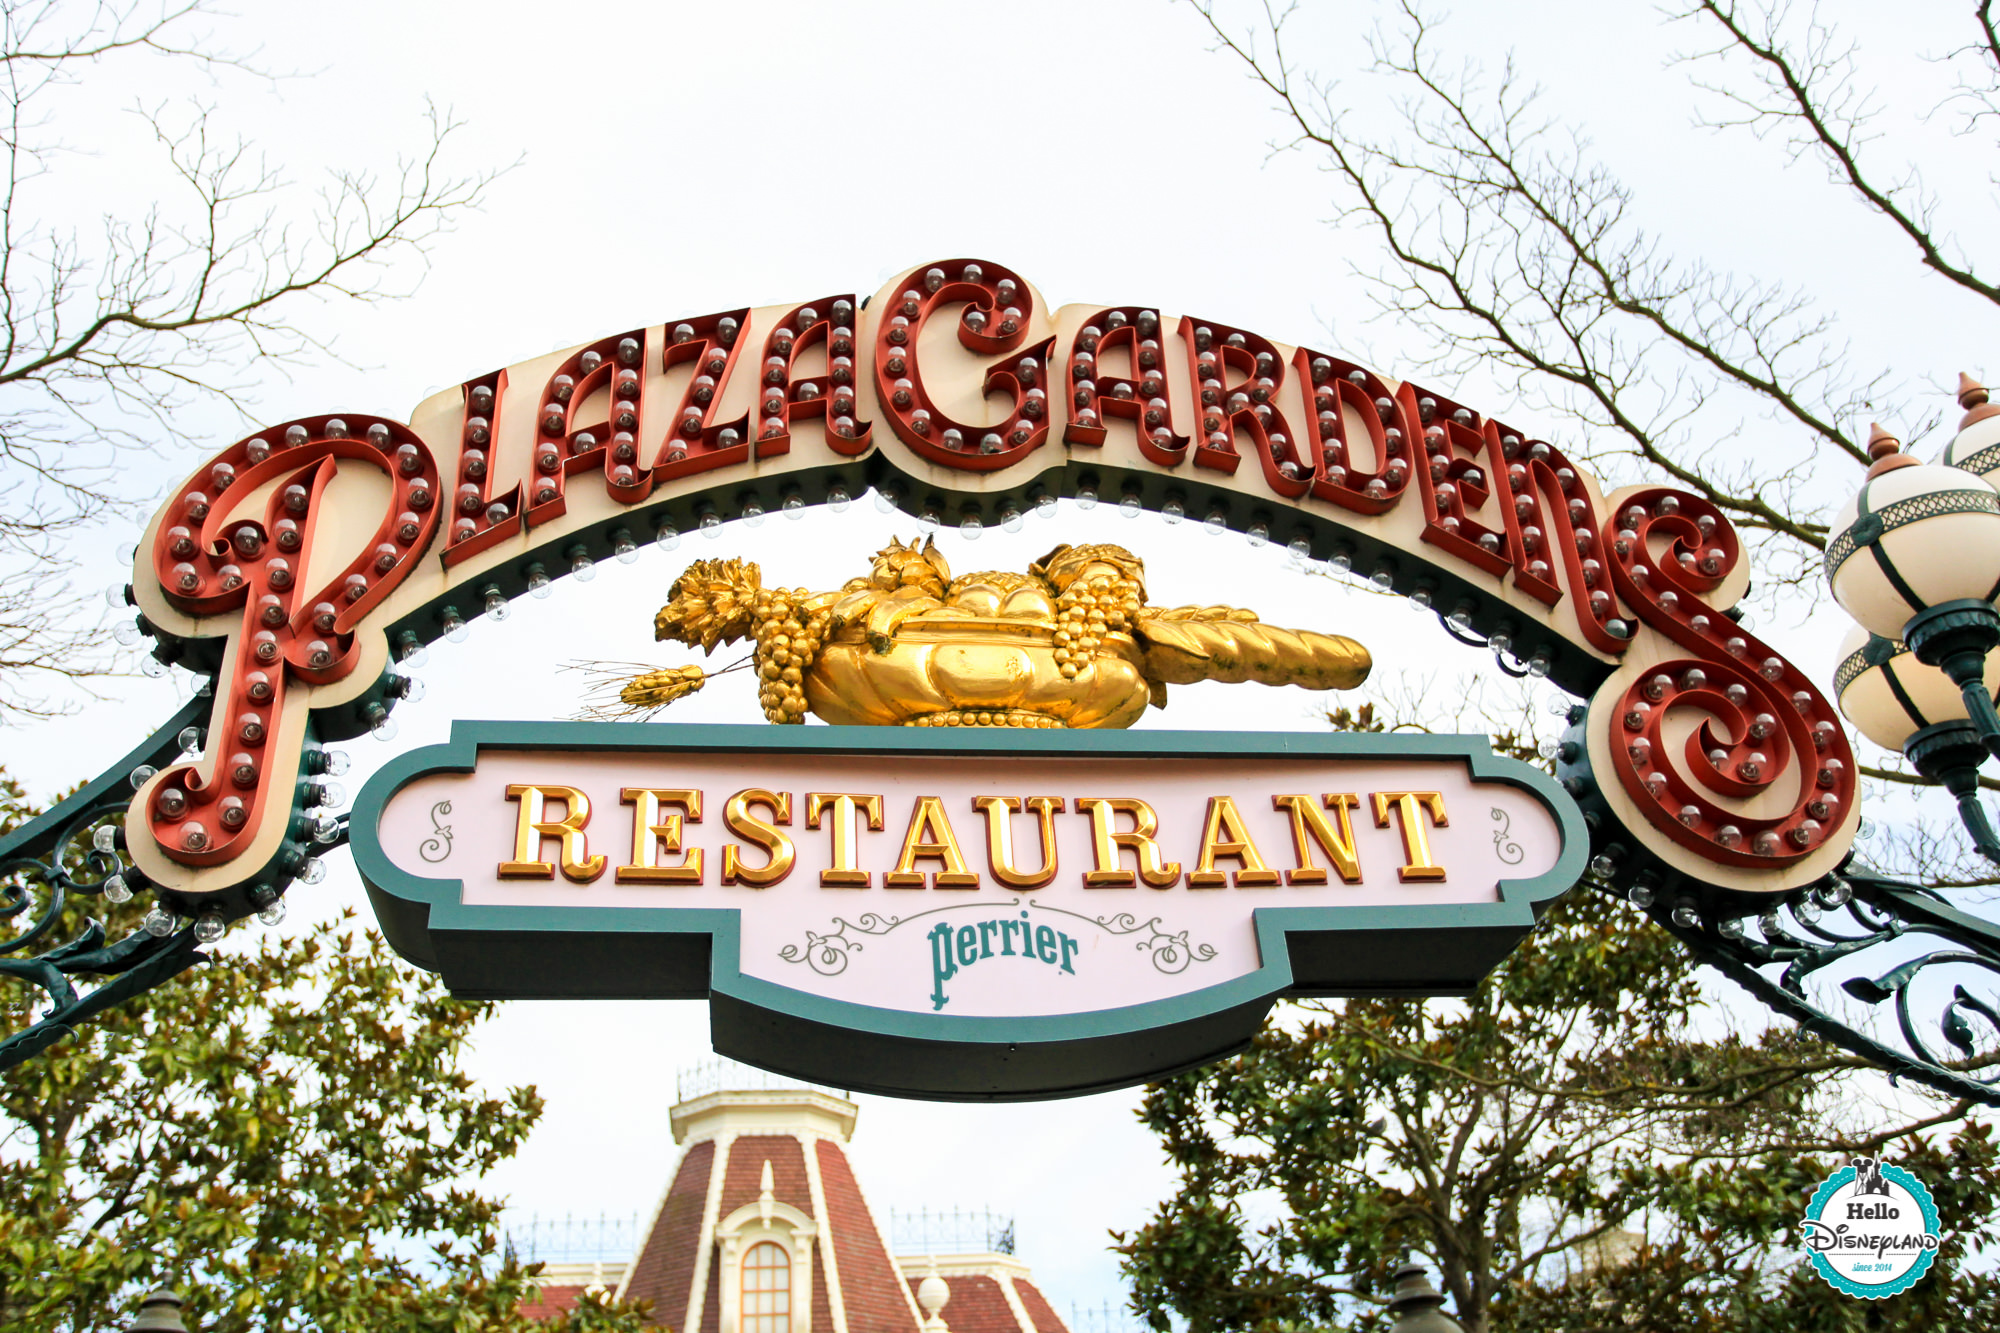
pixel 1878 941
pixel 42 864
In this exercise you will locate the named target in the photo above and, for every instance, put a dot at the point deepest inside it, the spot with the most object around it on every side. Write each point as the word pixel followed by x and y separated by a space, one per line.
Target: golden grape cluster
pixel 1086 611
pixel 786 647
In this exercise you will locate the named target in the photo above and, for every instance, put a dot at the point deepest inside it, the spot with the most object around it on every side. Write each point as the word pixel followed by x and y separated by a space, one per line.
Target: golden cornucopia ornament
pixel 1070 643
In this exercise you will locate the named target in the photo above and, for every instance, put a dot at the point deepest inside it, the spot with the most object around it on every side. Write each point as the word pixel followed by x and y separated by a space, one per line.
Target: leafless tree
pixel 1507 244
pixel 106 339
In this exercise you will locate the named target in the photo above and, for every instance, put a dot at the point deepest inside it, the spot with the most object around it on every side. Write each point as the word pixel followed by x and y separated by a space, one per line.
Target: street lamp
pixel 159 1313
pixel 1415 1303
pixel 1915 560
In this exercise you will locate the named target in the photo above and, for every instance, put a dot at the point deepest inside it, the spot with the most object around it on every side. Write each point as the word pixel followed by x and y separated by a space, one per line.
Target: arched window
pixel 767 1289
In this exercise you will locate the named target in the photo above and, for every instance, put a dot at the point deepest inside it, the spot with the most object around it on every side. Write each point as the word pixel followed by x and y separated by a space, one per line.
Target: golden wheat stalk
pixel 634 691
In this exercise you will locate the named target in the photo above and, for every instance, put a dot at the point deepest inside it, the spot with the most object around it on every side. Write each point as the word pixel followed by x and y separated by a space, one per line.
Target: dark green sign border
pixel 487 952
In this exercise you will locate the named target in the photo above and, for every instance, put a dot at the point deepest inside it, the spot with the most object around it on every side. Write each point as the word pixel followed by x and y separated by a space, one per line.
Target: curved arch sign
pixel 297 562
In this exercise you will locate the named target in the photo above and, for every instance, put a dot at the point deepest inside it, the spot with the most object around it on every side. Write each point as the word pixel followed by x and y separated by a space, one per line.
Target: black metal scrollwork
pixel 1879 941
pixel 42 864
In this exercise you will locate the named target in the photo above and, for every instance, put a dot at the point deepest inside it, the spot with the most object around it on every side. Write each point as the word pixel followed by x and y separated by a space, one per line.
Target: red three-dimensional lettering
pixel 997 309
pixel 1764 715
pixel 696 441
pixel 786 395
pixel 1248 405
pixel 216 558
pixel 1351 406
pixel 611 371
pixel 1143 398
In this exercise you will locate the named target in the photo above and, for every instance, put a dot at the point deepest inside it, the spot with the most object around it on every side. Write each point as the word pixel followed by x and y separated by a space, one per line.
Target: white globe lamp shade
pixel 1976 447
pixel 1889 695
pixel 1914 536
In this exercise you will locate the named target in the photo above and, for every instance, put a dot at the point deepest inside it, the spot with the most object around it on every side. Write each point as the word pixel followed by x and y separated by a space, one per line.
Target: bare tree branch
pixel 107 341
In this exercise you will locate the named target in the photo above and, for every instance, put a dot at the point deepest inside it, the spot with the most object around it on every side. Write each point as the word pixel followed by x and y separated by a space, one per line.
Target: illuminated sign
pixel 294 560
pixel 961 913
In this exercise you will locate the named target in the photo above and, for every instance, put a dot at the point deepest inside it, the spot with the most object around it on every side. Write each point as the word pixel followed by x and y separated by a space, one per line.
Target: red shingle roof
pixel 664 1270
pixel 747 1155
pixel 551 1301
pixel 977 1305
pixel 870 1287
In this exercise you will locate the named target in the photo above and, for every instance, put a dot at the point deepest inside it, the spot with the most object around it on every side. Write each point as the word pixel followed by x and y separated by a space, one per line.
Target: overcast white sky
pixel 680 158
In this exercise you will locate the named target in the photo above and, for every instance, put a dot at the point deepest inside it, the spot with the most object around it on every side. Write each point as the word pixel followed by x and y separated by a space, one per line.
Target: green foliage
pixel 282 1135
pixel 1586 1143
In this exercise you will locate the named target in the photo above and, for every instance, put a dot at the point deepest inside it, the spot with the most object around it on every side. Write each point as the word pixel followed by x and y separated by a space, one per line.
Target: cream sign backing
pixel 965 913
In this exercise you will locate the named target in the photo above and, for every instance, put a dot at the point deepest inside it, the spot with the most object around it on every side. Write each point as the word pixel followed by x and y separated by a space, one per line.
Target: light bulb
pixel 1010 519
pixel 837 499
pixel 496 602
pixel 582 568
pixel 1129 507
pixel 1173 511
pixel 794 507
pixel 1086 498
pixel 273 912
pixel 336 763
pixel 142 775
pixel 326 828
pixel 455 628
pixel 410 649
pixel 623 547
pixel 970 527
pixel 380 724
pixel 666 537
pixel 208 927
pixel 105 838
pixel 159 924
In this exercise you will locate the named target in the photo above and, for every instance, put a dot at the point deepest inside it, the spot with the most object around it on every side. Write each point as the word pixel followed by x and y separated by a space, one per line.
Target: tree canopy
pixel 1584 1144
pixel 285 1137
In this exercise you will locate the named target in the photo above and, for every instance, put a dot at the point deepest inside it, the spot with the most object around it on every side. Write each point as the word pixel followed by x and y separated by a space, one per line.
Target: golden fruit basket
pixel 1070 643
